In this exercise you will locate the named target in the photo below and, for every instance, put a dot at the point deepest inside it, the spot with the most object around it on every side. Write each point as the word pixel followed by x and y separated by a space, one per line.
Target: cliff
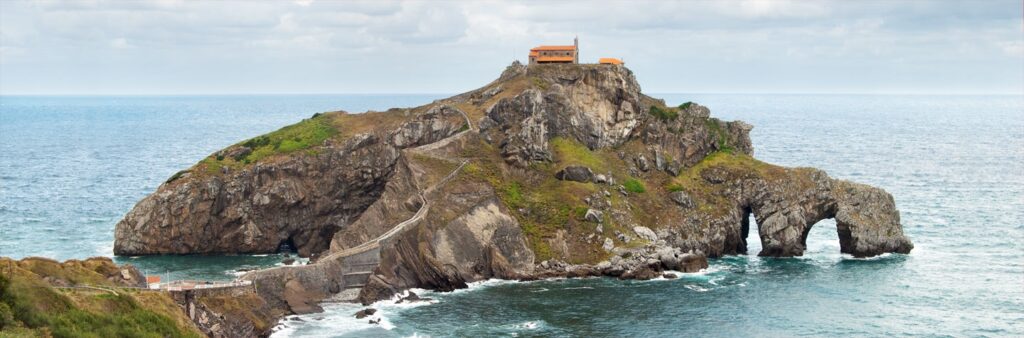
pixel 550 170
pixel 84 298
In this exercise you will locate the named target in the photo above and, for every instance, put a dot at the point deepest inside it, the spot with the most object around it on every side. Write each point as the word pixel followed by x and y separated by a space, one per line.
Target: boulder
pixel 593 215
pixel 693 262
pixel 645 233
pixel 365 313
pixel 411 298
pixel 608 244
pixel 681 198
pixel 641 162
pixel 575 173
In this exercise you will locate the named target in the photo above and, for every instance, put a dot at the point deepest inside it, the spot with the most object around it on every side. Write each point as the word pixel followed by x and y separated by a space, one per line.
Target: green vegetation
pixel 634 185
pixel 572 152
pixel 715 128
pixel 685 105
pixel 310 132
pixel 542 204
pixel 29 306
pixel 176 176
pixel 664 114
pixel 540 83
pixel 464 127
pixel 512 193
pixel 674 187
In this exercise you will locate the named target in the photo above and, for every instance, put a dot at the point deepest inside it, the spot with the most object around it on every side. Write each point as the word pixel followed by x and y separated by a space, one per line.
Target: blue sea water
pixel 72 166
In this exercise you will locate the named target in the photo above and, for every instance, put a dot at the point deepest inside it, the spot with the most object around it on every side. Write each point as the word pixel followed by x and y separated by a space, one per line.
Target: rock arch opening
pixel 287 246
pixel 784 233
pixel 746 219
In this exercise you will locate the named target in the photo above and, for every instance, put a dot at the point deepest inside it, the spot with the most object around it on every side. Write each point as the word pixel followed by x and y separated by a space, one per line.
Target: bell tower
pixel 576 49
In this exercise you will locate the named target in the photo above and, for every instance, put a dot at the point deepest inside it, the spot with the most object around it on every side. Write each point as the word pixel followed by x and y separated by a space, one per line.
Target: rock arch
pixel 867 221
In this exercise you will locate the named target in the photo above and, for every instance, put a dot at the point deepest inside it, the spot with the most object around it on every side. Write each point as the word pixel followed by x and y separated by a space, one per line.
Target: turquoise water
pixel 71 167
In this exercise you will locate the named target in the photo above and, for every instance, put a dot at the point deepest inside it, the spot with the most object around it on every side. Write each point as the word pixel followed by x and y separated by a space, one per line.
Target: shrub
pixel 664 114
pixel 634 185
pixel 308 133
pixel 715 128
pixel 580 212
pixel 6 317
pixel 513 194
pixel 176 176
pixel 685 105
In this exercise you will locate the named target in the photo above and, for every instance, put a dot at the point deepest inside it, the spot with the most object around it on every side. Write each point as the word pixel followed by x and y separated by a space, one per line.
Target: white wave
pixel 528 325
pixel 106 250
pixel 875 258
pixel 337 319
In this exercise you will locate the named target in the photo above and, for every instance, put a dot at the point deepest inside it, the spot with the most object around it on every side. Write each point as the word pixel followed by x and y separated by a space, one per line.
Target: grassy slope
pixel 29 306
pixel 303 138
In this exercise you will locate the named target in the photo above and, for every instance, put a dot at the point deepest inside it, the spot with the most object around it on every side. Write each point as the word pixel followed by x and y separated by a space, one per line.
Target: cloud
pixel 119 43
pixel 714 45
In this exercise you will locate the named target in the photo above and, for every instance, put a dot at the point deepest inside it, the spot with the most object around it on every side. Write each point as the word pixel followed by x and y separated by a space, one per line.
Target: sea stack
pixel 550 170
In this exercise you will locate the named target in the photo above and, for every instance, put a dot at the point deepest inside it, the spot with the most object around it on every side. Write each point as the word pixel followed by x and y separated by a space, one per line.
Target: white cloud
pixel 119 43
pixel 714 43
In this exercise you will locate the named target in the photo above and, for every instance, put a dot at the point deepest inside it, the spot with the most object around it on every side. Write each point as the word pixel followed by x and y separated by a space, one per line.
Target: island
pixel 551 170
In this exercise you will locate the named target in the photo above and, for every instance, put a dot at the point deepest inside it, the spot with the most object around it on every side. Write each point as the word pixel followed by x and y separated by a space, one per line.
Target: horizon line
pixel 457 93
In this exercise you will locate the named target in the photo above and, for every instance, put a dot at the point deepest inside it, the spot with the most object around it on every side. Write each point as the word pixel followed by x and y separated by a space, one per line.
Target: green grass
pixel 512 193
pixel 310 132
pixel 176 176
pixel 685 105
pixel 572 152
pixel 674 187
pixel 634 185
pixel 664 114
pixel 31 307
pixel 715 128
pixel 303 136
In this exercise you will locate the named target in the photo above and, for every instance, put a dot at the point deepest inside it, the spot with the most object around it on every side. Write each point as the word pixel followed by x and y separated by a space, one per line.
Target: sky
pixel 174 47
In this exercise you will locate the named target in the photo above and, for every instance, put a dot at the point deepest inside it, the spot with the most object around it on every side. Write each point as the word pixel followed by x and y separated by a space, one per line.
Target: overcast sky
pixel 315 46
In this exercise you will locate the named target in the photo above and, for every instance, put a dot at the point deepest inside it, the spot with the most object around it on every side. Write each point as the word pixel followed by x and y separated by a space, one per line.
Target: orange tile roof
pixel 152 279
pixel 570 47
pixel 555 59
pixel 612 61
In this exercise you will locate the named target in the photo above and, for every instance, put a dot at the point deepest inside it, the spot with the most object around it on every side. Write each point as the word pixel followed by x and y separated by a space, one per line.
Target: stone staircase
pixel 358 274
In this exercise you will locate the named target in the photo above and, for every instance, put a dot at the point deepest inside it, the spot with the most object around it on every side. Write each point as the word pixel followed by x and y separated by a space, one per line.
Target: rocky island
pixel 548 171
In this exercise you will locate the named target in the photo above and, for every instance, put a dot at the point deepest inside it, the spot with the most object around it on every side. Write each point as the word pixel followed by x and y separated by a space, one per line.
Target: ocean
pixel 72 166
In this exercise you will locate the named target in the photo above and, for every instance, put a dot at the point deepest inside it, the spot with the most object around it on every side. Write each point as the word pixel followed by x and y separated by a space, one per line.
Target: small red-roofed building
pixel 556 54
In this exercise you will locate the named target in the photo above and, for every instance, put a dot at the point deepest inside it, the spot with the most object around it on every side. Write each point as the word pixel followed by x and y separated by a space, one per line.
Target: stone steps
pixel 356 279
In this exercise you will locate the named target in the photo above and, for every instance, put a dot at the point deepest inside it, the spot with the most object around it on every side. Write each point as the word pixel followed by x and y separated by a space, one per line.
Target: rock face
pixel 299 201
pixel 785 204
pixel 599 106
pixel 484 242
pixel 566 163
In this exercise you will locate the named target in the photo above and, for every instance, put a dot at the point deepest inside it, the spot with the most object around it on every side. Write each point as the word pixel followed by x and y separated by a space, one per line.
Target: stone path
pixel 357 274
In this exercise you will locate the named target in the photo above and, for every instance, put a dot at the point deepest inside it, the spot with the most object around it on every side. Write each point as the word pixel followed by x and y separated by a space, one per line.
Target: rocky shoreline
pixel 550 171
